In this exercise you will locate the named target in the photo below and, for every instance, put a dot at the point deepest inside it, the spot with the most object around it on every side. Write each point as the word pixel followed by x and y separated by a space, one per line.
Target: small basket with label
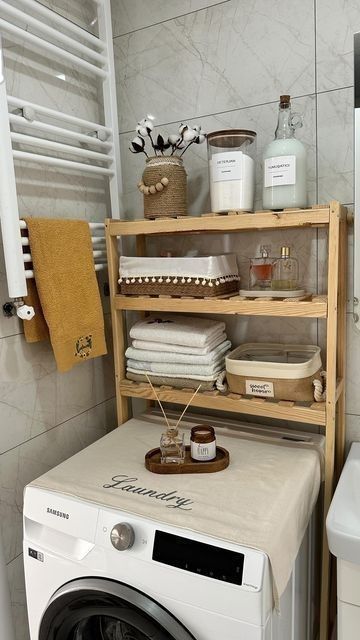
pixel 276 371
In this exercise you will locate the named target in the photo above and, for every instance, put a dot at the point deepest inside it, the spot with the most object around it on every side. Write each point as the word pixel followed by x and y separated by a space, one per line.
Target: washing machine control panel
pixel 198 557
pixel 122 536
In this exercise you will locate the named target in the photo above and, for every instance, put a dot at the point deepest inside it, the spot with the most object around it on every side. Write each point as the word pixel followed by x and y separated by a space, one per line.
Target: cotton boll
pixel 173 138
pixel 189 135
pixel 142 131
pixel 139 141
pixel 145 122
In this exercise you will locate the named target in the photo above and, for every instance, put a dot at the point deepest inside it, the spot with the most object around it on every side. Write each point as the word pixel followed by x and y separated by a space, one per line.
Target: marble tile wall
pixel 224 64
pixel 45 416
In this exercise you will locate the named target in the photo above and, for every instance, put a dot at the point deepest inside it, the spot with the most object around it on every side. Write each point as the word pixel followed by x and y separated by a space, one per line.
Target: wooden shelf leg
pixel 118 326
pixel 331 368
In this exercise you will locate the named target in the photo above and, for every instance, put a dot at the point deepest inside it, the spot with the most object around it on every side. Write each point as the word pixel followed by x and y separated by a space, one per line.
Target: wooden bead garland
pixel 153 188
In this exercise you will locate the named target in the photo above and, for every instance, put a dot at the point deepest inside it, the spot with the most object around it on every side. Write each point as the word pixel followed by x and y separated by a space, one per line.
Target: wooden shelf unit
pixel 329 415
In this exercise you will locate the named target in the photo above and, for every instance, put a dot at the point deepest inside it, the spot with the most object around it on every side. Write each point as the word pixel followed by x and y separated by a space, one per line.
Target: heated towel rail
pixel 86 147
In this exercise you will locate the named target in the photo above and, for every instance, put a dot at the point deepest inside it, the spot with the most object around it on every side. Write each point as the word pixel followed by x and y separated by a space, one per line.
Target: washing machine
pixel 99 573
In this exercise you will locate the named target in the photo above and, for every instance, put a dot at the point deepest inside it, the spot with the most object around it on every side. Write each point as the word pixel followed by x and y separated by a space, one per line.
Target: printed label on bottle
pixel 279 170
pixel 259 388
pixel 203 451
pixel 226 166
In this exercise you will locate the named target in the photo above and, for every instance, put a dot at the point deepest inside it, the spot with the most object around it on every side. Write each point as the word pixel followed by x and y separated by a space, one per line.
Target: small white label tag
pixel 203 451
pixel 279 170
pixel 226 166
pixel 259 388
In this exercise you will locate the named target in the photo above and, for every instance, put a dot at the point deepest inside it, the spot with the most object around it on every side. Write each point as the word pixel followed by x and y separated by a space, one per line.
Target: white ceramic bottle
pixel 284 160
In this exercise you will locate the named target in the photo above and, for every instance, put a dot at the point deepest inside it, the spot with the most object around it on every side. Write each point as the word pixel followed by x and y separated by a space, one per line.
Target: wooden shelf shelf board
pixel 231 402
pixel 211 223
pixel 315 308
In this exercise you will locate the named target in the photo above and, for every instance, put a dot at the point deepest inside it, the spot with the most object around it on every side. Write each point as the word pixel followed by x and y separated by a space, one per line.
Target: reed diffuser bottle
pixel 285 163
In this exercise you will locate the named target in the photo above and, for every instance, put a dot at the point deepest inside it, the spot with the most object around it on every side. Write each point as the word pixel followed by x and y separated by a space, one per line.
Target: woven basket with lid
pixel 171 199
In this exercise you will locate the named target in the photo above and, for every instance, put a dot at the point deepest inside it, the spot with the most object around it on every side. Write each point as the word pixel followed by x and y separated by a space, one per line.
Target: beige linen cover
pixel 263 500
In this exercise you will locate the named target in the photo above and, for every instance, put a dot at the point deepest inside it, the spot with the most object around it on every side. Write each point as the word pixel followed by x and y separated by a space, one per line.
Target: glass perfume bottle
pixel 285 272
pixel 261 269
pixel 285 163
pixel 172 447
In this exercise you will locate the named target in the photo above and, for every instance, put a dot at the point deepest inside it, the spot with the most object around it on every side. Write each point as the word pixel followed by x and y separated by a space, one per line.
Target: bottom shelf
pixel 310 413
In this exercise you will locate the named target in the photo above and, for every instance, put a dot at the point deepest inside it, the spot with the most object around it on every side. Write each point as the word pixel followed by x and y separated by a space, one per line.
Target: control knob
pixel 122 536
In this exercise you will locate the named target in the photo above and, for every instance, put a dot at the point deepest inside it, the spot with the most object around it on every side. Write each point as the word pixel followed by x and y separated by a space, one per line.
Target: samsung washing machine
pixel 94 573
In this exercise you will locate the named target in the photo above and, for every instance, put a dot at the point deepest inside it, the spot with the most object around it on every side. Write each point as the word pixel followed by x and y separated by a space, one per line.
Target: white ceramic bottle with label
pixel 284 159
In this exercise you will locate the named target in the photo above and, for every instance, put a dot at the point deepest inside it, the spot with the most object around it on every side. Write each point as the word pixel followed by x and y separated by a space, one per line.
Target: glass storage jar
pixel 231 155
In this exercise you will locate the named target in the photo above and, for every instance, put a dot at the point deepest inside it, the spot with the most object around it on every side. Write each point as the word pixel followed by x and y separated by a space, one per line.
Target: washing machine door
pixel 96 609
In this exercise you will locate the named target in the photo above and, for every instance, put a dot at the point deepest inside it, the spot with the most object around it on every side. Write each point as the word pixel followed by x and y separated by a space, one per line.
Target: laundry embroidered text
pixel 124 483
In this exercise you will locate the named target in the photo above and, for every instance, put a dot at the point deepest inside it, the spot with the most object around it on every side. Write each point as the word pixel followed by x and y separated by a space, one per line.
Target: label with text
pixel 226 166
pixel 260 388
pixel 279 170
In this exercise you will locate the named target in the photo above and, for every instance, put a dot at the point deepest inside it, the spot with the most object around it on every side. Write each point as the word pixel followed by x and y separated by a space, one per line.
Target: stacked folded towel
pixel 181 351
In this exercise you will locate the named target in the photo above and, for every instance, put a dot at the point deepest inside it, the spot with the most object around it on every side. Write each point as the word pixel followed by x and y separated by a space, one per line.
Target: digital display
pixel 197 557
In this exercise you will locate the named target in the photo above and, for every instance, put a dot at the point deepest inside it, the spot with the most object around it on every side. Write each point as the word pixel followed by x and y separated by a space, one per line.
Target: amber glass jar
pixel 203 443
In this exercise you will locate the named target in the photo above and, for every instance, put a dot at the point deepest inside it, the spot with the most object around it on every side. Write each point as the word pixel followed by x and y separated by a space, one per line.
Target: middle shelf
pixel 313 307
pixel 310 413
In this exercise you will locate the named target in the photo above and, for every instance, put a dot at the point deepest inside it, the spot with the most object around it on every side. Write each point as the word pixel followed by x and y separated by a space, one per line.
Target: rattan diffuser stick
pixel 188 405
pixel 158 399
pixel 162 408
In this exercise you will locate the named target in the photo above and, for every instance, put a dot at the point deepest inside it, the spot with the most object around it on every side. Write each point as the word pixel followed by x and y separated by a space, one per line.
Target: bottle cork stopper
pixel 284 99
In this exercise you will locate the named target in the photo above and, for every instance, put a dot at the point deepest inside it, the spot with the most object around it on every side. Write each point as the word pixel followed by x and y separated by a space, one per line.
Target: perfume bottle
pixel 285 272
pixel 172 447
pixel 261 269
pixel 285 163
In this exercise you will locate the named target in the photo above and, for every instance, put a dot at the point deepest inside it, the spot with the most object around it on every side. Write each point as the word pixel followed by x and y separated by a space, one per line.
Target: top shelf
pixel 228 223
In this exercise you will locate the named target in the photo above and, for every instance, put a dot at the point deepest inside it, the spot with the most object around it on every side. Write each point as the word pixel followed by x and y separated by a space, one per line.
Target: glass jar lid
pixel 229 138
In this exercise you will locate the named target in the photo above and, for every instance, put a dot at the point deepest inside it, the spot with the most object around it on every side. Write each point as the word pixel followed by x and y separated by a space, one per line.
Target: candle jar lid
pixel 202 434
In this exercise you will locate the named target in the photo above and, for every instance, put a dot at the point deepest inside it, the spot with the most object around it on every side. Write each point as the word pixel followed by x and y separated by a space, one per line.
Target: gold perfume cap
pixel 285 252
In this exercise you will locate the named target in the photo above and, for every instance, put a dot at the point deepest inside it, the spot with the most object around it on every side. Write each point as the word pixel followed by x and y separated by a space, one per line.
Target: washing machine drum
pixel 104 610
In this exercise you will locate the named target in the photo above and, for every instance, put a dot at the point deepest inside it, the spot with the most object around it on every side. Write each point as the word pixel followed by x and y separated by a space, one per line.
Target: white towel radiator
pixel 94 146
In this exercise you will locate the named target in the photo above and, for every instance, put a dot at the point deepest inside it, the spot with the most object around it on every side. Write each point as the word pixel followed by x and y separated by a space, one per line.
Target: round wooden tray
pixel 153 463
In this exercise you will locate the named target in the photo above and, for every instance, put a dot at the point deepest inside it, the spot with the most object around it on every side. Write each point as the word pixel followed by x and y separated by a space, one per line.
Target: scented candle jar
pixel 231 156
pixel 203 443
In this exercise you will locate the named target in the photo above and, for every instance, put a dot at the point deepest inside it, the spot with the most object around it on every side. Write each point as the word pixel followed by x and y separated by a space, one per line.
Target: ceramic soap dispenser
pixel 284 162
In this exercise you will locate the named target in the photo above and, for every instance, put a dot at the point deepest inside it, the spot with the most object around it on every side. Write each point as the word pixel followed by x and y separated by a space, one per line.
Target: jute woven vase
pixel 165 178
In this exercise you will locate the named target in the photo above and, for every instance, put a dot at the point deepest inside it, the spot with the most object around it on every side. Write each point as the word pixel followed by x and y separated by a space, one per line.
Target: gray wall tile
pixel 131 15
pixel 335 145
pixel 222 58
pixel 337 21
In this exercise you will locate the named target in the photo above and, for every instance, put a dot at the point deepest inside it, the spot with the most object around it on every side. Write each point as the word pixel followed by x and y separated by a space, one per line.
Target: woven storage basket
pixel 199 276
pixel 171 200
pixel 278 371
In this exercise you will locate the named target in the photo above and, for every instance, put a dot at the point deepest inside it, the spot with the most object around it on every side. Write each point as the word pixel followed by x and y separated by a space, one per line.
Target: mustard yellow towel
pixel 67 290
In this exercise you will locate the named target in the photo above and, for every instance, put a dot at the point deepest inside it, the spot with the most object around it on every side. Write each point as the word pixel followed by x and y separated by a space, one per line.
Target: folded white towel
pixel 179 358
pixel 218 376
pixel 185 330
pixel 147 345
pixel 184 370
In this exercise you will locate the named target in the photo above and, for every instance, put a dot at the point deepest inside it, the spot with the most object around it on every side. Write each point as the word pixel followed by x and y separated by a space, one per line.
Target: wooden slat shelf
pixel 330 414
pixel 315 308
pixel 223 223
pixel 312 414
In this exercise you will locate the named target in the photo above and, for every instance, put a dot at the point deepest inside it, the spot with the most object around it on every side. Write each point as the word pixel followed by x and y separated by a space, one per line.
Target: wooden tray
pixel 153 464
